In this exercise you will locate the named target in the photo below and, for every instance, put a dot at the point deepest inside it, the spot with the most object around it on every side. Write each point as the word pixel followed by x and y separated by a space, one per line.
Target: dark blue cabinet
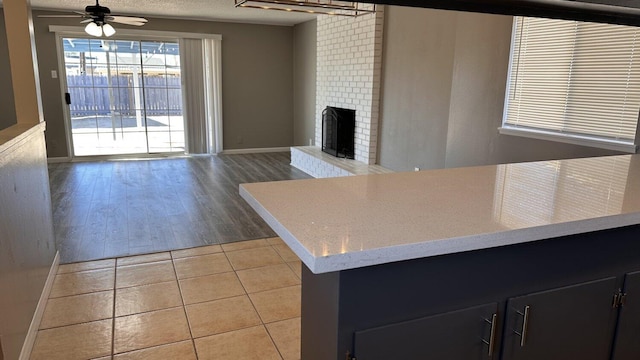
pixel 627 344
pixel 573 322
pixel 468 334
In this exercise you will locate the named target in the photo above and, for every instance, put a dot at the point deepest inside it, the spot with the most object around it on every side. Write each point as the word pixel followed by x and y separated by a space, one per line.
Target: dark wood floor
pixel 116 208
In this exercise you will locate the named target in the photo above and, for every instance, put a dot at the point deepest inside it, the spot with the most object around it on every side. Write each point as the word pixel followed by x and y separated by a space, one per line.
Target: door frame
pixel 62 32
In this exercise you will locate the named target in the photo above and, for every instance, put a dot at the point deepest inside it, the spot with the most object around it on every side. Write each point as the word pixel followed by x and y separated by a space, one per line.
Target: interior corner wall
pixel 416 85
pixel 429 121
pixel 349 63
pixel 481 64
pixel 304 82
pixel 7 104
pixel 257 80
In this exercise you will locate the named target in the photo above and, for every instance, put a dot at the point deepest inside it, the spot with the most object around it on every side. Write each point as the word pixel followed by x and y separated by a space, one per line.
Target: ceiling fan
pixel 98 18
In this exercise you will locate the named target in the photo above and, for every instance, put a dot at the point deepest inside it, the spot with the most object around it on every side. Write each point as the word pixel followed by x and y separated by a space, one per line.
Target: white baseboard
pixel 255 150
pixel 54 160
pixel 27 346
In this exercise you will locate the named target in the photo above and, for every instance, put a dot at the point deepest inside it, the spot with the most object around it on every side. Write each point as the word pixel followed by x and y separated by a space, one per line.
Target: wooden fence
pixel 90 95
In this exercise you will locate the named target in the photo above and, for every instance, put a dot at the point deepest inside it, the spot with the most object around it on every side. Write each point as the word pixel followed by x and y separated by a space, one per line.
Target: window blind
pixel 574 78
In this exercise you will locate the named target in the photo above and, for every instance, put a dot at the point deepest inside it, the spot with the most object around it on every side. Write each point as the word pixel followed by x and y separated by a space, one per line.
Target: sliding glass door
pixel 125 96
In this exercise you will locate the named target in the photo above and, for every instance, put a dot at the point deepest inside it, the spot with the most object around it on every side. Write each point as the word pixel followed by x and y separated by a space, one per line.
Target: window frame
pixel 562 137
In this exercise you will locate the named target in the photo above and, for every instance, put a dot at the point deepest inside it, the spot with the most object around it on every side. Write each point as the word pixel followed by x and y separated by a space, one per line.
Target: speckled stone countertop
pixel 350 222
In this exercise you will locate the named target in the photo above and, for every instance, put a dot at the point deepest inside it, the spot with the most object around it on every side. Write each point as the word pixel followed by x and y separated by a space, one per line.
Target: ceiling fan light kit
pixel 98 19
pixel 325 7
pixel 96 30
pixel 108 30
pixel 93 29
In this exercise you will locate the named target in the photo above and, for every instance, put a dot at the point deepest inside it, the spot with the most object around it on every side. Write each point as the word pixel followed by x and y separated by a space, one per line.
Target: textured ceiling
pixel 223 10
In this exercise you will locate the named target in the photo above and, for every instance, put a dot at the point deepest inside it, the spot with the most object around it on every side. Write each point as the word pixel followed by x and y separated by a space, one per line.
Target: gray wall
pixel 7 105
pixel 416 84
pixel 304 82
pixel 481 63
pixel 257 80
pixel 442 102
pixel 27 246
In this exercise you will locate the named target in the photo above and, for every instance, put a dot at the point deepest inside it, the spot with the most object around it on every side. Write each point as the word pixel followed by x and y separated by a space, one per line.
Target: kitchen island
pixel 519 261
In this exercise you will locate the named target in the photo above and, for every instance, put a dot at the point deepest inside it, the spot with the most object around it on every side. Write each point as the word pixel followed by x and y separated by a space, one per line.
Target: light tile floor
pixel 232 301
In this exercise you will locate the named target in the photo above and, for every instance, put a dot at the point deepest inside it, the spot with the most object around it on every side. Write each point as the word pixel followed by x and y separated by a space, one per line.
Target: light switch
pixel 54 74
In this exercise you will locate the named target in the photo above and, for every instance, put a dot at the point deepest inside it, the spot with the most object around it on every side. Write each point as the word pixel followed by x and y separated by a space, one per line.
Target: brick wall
pixel 318 164
pixel 315 166
pixel 349 62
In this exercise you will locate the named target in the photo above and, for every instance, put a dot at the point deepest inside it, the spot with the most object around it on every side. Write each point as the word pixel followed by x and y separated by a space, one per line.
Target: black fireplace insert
pixel 338 132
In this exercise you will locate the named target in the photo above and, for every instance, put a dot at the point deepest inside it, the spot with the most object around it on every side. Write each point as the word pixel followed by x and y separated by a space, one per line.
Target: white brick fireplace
pixel 349 65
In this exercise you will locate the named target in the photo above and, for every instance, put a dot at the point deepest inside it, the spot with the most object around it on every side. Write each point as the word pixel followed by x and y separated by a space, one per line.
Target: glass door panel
pixel 125 96
pixel 163 96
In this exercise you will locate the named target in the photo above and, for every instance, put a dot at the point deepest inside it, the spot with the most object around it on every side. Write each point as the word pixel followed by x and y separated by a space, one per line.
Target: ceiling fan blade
pixel 86 21
pixel 127 20
pixel 60 16
pixel 81 13
pixel 131 23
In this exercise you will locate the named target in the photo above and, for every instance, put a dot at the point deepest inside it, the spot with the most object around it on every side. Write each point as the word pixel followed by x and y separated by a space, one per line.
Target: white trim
pixel 255 150
pixel 79 30
pixel 16 134
pixel 66 113
pixel 123 157
pixel 56 160
pixel 27 346
pixel 505 111
pixel 570 139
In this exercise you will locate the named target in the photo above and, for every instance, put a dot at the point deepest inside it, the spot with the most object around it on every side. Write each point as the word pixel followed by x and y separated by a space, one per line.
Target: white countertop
pixel 349 222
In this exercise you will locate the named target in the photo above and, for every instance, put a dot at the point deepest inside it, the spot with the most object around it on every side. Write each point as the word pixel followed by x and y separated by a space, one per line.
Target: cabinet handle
pixel 525 326
pixel 492 337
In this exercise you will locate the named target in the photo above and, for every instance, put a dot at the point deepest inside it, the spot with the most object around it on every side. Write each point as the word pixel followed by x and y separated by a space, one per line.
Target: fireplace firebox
pixel 338 132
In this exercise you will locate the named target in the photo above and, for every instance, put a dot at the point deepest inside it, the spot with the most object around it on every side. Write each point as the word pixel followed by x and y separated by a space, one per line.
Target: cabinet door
pixel 573 322
pixel 459 335
pixel 627 346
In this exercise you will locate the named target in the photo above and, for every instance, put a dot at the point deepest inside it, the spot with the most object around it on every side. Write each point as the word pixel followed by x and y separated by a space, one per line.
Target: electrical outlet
pixel 416 169
pixel 54 74
pixel 310 142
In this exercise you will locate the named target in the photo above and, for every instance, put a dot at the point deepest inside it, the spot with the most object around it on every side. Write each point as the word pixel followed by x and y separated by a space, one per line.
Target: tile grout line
pixel 296 275
pixel 264 325
pixel 184 307
pixel 113 310
pixel 183 304
pixel 235 272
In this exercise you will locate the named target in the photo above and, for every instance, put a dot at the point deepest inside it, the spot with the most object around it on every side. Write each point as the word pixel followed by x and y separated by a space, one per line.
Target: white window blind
pixel 574 78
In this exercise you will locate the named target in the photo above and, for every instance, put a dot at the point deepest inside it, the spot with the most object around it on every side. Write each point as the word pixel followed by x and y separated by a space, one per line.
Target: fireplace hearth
pixel 338 132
